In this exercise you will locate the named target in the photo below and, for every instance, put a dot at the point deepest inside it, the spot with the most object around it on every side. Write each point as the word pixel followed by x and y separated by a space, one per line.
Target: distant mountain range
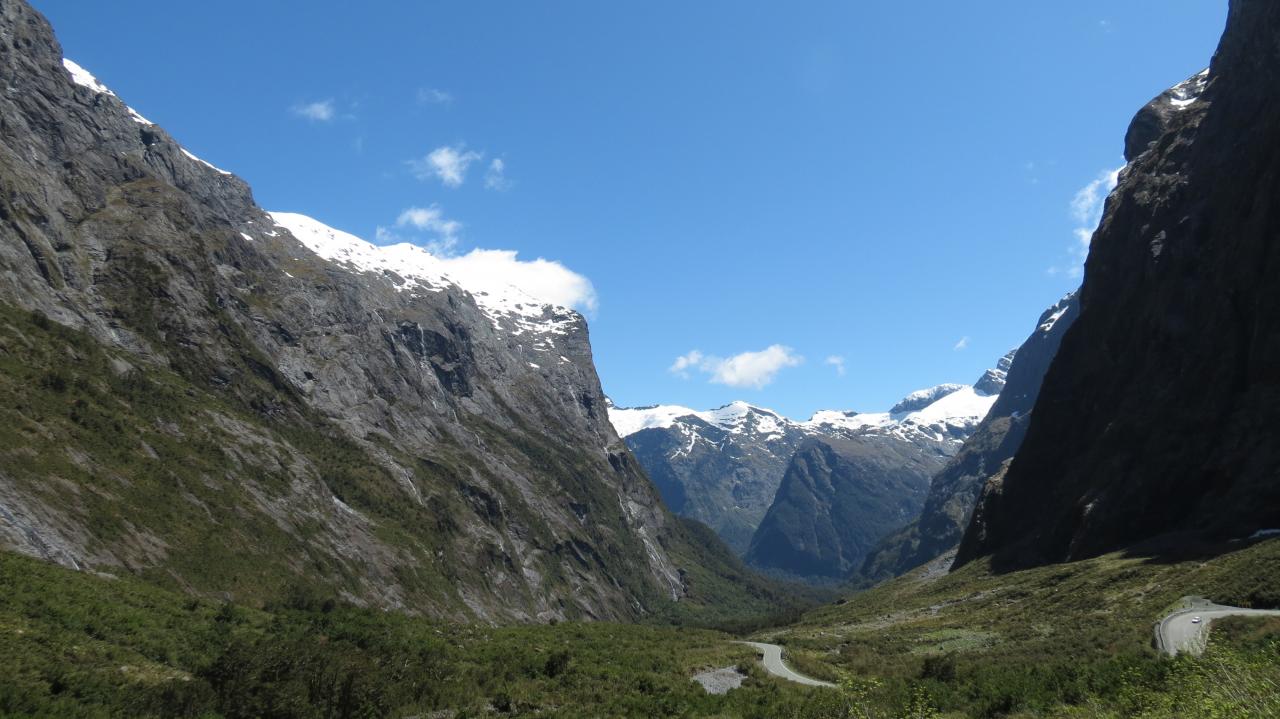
pixel 724 467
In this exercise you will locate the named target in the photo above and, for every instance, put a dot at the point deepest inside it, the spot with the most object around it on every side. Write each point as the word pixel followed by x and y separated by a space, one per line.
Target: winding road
pixel 1179 632
pixel 771 658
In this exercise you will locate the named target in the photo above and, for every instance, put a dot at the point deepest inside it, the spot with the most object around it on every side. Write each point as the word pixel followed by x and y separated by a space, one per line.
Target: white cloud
pixel 489 271
pixel 836 361
pixel 1088 203
pixel 684 363
pixel 1086 208
pixel 495 178
pixel 433 96
pixel 748 369
pixel 962 345
pixel 447 164
pixel 321 111
pixel 546 280
pixel 430 219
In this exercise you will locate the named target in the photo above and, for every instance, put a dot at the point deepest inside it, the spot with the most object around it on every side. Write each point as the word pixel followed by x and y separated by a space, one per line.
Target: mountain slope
pixel 954 490
pixel 1159 414
pixel 228 401
pixel 860 477
pixel 723 467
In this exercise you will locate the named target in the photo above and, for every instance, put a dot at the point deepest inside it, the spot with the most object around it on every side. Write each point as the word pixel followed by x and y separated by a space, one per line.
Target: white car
pixel 1195 620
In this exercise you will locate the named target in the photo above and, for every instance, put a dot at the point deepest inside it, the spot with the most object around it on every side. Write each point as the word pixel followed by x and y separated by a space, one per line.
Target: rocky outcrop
pixel 1158 417
pixel 954 490
pixel 198 391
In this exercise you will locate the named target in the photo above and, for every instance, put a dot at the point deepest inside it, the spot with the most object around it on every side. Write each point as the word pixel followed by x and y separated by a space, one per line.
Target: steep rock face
pixel 723 466
pixel 194 394
pixel 838 498
pixel 954 490
pixel 1160 413
pixel 860 477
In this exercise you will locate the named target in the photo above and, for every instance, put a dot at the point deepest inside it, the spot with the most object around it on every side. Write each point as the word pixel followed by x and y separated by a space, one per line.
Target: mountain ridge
pixel 724 466
pixel 1157 418
pixel 199 398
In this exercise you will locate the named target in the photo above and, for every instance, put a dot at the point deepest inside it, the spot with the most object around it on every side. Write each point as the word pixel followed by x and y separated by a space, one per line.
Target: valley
pixel 253 465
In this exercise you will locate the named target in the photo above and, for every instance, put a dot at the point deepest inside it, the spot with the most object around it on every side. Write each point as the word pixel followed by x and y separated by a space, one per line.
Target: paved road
pixel 771 658
pixel 1178 633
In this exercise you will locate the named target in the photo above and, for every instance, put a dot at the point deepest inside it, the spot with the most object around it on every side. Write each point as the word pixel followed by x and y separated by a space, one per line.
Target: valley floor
pixel 1063 641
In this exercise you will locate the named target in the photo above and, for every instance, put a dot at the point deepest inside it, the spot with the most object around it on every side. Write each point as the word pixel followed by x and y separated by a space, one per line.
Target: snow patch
pixel 1186 93
pixel 414 269
pixel 84 78
pixel 207 164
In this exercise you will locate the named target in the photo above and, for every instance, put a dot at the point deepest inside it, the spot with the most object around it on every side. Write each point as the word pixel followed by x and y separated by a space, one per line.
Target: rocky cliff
pixel 247 404
pixel 954 490
pixel 1159 415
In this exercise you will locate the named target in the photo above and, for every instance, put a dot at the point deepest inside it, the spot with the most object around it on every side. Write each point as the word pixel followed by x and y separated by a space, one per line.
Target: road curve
pixel 1179 633
pixel 771 658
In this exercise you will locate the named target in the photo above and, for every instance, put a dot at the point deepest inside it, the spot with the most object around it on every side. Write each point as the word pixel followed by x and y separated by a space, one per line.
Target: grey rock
pixel 1158 418
pixel 485 488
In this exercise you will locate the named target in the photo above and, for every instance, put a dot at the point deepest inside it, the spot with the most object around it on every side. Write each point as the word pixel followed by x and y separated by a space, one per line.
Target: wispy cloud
pixel 836 361
pixel 495 178
pixel 1086 208
pixel 754 370
pixel 448 164
pixel 961 345
pixel 684 363
pixel 427 219
pixel 434 96
pixel 319 111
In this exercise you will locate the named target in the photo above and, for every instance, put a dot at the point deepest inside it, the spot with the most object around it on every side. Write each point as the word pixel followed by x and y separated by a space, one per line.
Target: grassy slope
pixel 76 645
pixel 159 467
pixel 1046 641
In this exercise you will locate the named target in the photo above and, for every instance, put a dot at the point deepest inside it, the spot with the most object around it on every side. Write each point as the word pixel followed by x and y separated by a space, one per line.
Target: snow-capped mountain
pixel 415 270
pixel 724 466
pixel 378 424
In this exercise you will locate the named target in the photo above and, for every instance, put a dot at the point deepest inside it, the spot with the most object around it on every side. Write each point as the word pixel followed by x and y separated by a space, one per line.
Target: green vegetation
pixel 215 478
pixel 1063 640
pixel 77 645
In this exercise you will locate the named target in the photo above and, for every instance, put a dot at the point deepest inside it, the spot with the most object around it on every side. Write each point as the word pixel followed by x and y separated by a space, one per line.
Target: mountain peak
pixel 923 398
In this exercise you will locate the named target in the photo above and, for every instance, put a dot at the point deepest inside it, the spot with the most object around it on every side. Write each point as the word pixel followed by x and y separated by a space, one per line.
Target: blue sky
pixel 890 183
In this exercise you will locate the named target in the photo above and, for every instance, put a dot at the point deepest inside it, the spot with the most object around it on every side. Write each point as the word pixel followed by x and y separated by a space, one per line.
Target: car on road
pixel 1195 620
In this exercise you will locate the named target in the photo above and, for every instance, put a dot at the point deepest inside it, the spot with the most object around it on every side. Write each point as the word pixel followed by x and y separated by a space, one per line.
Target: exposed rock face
pixel 860 477
pixel 216 405
pixel 1160 413
pixel 723 467
pixel 838 498
pixel 954 490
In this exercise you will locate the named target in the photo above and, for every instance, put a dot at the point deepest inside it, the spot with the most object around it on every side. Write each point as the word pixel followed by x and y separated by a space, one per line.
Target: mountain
pixel 954 490
pixel 1158 418
pixel 860 477
pixel 723 467
pixel 720 467
pixel 245 405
